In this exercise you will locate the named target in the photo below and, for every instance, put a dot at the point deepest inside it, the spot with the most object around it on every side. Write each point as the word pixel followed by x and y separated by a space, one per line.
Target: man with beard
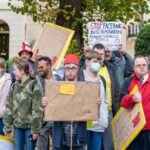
pixel 45 70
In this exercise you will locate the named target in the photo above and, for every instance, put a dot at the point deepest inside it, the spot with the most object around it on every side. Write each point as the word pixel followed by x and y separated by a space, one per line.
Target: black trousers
pixel 141 142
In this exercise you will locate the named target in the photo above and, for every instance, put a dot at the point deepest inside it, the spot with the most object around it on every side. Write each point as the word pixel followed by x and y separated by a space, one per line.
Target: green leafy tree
pixel 142 45
pixel 75 14
pixel 10 61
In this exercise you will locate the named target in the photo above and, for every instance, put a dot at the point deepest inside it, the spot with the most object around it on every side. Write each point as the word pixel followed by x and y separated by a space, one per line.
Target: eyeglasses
pixel 141 65
pixel 107 51
pixel 73 69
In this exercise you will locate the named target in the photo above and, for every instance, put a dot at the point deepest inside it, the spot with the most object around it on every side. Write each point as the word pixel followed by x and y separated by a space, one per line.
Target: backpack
pixel 104 82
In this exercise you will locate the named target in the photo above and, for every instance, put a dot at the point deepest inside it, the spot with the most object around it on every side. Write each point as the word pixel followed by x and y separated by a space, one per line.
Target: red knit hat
pixel 26 48
pixel 72 59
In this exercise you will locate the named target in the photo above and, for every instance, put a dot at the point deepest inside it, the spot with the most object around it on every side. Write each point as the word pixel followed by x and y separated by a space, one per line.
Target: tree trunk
pixel 78 6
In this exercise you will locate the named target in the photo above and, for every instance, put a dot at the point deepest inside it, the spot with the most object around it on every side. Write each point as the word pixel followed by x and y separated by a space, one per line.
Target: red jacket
pixel 127 100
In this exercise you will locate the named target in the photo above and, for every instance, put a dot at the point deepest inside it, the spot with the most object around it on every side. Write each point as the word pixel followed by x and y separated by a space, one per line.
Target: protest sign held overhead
pixel 106 33
pixel 53 41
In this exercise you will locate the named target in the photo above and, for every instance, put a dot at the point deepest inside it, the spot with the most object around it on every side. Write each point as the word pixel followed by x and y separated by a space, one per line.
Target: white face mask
pixel 95 67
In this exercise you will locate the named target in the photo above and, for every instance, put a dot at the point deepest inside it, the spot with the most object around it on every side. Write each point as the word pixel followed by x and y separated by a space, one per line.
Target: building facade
pixel 14 29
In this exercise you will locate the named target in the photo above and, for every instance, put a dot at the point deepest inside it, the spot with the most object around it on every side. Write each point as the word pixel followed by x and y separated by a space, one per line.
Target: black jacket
pixel 115 88
pixel 124 89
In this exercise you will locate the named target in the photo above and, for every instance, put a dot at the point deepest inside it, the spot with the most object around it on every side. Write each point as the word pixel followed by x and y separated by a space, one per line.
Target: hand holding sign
pixel 137 97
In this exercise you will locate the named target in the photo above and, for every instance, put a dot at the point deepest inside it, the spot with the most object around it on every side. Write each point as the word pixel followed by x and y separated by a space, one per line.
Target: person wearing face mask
pixel 96 128
pixel 110 74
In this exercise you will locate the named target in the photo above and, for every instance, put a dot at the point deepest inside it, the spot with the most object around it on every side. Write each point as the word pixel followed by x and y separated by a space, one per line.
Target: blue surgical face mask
pixel 95 67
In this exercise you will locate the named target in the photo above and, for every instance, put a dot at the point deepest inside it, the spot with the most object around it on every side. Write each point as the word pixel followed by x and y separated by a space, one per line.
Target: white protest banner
pixel 106 33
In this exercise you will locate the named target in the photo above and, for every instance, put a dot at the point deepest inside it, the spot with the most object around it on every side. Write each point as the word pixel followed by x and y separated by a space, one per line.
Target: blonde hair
pixel 91 55
pixel 3 63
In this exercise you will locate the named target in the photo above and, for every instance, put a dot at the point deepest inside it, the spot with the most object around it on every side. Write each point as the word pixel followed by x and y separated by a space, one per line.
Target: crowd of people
pixel 23 100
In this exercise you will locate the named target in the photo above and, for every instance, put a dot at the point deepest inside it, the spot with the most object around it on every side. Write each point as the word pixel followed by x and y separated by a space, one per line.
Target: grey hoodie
pixel 101 124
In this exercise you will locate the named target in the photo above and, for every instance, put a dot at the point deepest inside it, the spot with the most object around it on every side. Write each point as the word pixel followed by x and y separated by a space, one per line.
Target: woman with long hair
pixel 23 111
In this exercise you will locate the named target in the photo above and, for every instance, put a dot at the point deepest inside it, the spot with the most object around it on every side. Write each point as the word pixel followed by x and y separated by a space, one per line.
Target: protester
pixel 62 130
pixel 141 78
pixel 90 73
pixel 5 83
pixel 25 53
pixel 108 71
pixel 23 112
pixel 148 61
pixel 44 67
pixel 87 48
pixel 123 62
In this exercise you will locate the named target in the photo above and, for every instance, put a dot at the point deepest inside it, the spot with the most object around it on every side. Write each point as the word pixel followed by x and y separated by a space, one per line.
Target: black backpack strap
pixel 13 85
pixel 40 82
pixel 33 84
pixel 104 82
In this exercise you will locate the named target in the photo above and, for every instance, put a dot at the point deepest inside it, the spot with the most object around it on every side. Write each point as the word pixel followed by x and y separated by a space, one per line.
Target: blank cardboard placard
pixel 127 124
pixel 53 41
pixel 71 101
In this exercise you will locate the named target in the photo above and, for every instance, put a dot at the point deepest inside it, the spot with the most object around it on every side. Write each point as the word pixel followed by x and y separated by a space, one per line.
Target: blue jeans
pixel 1 126
pixel 22 139
pixel 94 140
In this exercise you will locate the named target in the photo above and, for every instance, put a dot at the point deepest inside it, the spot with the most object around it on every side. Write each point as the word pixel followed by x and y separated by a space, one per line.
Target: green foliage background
pixel 142 45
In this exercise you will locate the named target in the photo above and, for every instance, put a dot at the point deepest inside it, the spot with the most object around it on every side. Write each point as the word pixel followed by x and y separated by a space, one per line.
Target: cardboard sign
pixel 66 88
pixel 127 124
pixel 6 143
pixel 53 41
pixel 106 33
pixel 71 101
